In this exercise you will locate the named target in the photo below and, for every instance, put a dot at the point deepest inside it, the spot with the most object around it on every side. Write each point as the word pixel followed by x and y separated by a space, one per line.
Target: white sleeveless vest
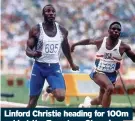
pixel 49 46
pixel 108 60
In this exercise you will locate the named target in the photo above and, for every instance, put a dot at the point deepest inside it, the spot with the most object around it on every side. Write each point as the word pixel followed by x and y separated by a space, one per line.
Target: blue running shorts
pixel 111 76
pixel 49 71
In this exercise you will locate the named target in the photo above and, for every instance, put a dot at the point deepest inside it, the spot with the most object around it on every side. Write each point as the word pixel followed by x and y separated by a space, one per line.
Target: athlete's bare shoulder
pixel 34 31
pixel 33 36
pixel 63 30
pixel 127 49
pixel 124 48
pixel 98 42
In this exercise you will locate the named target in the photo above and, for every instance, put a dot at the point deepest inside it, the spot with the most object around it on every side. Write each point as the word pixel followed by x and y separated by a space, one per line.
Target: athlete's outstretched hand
pixel 74 67
pixel 72 48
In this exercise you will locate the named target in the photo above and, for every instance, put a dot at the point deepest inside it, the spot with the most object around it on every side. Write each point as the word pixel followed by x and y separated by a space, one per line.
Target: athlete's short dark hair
pixel 46 6
pixel 116 22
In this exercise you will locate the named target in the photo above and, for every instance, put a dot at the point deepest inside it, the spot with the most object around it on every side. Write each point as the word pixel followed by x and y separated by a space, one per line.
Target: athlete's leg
pixel 36 85
pixel 33 101
pixel 49 89
pixel 59 94
pixel 45 92
pixel 103 81
pixel 57 83
pixel 98 100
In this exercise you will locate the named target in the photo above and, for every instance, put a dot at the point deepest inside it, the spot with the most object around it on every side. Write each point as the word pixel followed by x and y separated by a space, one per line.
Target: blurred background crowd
pixel 82 18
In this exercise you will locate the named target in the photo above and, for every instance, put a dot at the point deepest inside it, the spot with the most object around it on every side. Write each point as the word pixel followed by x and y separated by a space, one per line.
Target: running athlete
pixel 107 63
pixel 44 44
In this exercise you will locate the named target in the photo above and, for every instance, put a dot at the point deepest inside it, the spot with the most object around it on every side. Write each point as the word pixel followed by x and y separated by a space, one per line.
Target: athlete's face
pixel 49 13
pixel 115 31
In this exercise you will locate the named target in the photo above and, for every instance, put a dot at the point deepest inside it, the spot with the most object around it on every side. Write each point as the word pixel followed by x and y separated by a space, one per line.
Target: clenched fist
pixel 37 54
pixel 74 67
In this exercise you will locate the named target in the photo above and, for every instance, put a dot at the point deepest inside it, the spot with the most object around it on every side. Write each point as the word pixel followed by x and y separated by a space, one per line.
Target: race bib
pixel 51 48
pixel 106 66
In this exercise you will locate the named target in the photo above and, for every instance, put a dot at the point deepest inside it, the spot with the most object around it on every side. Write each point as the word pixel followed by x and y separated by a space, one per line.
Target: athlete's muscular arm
pixel 87 42
pixel 66 49
pixel 31 42
pixel 129 52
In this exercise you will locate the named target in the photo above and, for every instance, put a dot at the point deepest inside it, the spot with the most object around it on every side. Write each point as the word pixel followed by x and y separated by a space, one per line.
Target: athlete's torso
pixel 49 46
pixel 108 60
